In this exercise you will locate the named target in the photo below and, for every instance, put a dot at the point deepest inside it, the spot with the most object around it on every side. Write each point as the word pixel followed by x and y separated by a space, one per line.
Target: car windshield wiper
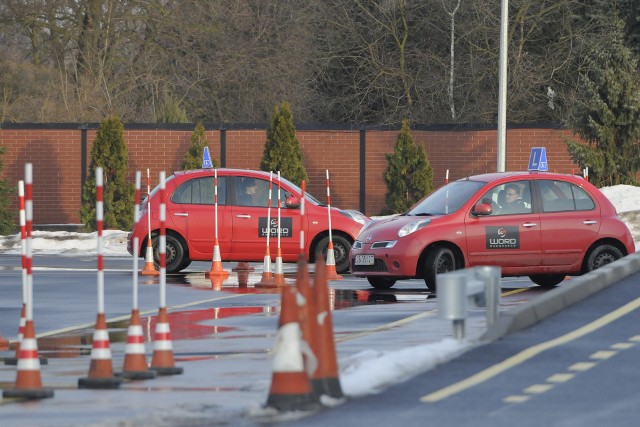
pixel 423 214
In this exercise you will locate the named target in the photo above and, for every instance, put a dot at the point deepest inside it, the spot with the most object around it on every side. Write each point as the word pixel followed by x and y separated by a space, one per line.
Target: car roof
pixel 489 177
pixel 224 171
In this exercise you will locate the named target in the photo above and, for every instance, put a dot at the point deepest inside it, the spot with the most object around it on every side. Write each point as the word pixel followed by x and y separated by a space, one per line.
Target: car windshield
pixel 298 190
pixel 447 199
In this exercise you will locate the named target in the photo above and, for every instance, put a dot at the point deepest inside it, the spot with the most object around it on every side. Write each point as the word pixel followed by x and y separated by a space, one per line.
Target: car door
pixel 193 211
pixel 569 220
pixel 250 223
pixel 505 238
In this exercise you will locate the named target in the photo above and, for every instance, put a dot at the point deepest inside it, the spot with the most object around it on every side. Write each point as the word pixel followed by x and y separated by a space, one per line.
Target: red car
pixel 242 220
pixel 542 225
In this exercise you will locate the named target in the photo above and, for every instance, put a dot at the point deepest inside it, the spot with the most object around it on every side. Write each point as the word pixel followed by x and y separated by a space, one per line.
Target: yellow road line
pixel 529 353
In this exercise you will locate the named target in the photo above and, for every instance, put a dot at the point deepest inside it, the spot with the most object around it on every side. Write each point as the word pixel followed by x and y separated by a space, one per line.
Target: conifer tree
pixel 282 150
pixel 7 217
pixel 608 112
pixel 109 151
pixel 193 156
pixel 409 176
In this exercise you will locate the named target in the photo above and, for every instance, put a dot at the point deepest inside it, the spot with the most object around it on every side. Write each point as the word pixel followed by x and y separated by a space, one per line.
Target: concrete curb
pixel 559 298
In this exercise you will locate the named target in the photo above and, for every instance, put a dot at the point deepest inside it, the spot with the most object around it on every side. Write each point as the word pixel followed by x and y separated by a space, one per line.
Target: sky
pixel 366 372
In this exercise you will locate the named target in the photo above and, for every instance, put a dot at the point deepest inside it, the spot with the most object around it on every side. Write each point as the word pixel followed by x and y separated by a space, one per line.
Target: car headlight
pixel 413 227
pixel 355 216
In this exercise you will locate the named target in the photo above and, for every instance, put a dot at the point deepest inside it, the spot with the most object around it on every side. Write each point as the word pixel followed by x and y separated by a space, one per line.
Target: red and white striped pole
pixel 302 186
pixel 23 312
pixel 217 271
pixel 101 368
pixel 162 361
pixel 446 178
pixel 135 359
pixel 28 380
pixel 332 274
pixel 149 266
pixel 278 276
pixel 267 274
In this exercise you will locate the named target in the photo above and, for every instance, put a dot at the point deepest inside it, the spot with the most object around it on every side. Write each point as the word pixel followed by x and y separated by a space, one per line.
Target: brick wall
pixel 55 152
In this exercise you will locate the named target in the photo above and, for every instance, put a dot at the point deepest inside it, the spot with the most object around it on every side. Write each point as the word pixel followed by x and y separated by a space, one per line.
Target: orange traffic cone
pixel 135 360
pixel 101 368
pixel 325 379
pixel 28 381
pixel 290 387
pixel 243 269
pixel 162 361
pixel 23 321
pixel 149 268
pixel 216 264
pixel 332 274
pixel 278 276
pixel 267 275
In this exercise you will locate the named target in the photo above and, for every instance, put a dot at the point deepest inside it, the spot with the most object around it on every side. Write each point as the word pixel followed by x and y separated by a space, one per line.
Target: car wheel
pixel 547 280
pixel 381 282
pixel 175 253
pixel 439 260
pixel 602 255
pixel 341 249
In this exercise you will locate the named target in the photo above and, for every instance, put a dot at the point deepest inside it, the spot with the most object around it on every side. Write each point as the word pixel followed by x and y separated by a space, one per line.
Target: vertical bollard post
pixel 490 275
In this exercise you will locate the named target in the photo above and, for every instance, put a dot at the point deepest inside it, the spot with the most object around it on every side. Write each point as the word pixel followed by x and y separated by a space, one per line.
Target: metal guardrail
pixel 460 289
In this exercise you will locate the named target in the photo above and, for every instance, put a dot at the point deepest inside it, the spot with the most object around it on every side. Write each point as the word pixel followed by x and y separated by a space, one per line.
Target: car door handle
pixel 529 224
pixel 589 222
pixel 243 216
pixel 181 214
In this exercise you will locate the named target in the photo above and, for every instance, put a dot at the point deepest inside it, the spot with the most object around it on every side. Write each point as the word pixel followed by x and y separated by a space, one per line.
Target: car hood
pixel 386 228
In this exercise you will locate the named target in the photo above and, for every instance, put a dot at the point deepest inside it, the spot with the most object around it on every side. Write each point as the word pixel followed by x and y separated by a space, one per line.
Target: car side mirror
pixel 292 202
pixel 482 209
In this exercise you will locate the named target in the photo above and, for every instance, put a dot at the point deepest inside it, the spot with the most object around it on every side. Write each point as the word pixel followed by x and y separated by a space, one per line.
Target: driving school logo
pixel 506 237
pixel 265 228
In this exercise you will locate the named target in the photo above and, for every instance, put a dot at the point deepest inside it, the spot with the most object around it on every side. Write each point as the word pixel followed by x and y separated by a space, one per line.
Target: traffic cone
pixel 101 368
pixel 28 381
pixel 135 360
pixel 149 268
pixel 278 276
pixel 162 361
pixel 216 264
pixel 23 321
pixel 290 387
pixel 325 380
pixel 267 275
pixel 332 274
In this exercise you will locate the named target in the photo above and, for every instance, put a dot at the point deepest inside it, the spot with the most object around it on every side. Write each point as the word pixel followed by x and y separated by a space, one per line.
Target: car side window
pixel 200 191
pixel 510 198
pixel 252 192
pixel 558 196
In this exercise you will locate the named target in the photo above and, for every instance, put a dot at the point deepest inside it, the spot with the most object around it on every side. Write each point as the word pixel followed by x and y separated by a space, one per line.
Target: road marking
pixel 538 388
pixel 387 326
pixel 603 354
pixel 560 378
pixel 529 353
pixel 513 292
pixel 622 346
pixel 582 366
pixel 516 399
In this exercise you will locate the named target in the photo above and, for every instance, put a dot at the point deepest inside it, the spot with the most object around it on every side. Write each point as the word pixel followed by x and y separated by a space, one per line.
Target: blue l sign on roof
pixel 206 159
pixel 538 159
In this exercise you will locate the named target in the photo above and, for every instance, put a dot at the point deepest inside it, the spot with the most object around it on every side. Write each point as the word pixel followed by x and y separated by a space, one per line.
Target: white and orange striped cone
pixel 216 264
pixel 101 367
pixel 28 380
pixel 290 387
pixel 149 268
pixel 266 280
pixel 325 379
pixel 278 275
pixel 135 359
pixel 162 361
pixel 23 321
pixel 243 270
pixel 332 274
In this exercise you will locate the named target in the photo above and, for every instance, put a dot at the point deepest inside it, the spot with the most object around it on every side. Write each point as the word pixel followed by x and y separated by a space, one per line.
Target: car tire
pixel 547 280
pixel 602 255
pixel 341 249
pixel 175 253
pixel 439 260
pixel 381 282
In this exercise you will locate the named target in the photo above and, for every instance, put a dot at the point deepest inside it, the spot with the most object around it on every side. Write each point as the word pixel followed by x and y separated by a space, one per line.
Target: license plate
pixel 364 260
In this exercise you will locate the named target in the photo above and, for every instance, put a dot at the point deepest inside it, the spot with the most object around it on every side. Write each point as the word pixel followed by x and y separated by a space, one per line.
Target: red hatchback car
pixel 542 225
pixel 242 220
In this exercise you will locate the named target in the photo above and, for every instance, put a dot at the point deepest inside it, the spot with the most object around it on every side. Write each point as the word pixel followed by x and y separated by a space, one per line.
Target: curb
pixel 559 298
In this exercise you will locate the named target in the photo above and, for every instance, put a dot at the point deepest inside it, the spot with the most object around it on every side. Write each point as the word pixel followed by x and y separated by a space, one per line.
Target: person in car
pixel 512 201
pixel 249 194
